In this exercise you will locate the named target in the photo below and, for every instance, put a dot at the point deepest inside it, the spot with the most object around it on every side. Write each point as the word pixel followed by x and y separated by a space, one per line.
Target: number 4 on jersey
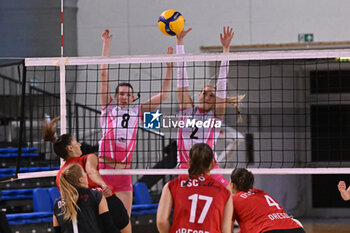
pixel 271 202
pixel 194 198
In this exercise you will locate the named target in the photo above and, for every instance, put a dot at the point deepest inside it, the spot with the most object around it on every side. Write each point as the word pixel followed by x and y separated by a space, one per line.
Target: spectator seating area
pixel 43 200
pixel 4 172
pixel 16 196
pixel 31 161
pixel 143 210
pixel 13 152
pixel 142 201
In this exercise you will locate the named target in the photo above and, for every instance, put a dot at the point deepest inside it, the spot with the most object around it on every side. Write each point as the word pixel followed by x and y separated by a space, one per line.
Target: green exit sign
pixel 305 37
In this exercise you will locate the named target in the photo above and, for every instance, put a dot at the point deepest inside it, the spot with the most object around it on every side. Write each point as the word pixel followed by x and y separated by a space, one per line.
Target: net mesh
pixel 294 111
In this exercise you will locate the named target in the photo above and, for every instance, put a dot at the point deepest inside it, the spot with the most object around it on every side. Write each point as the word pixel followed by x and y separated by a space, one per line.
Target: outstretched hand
pixel 180 36
pixel 183 33
pixel 106 38
pixel 225 38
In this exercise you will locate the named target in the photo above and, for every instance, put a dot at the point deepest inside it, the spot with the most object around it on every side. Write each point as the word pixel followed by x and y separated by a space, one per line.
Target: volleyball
pixel 171 22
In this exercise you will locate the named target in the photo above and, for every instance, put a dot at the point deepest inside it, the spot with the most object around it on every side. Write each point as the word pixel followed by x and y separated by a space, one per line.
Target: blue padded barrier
pixel 12 155
pixel 27 218
pixel 12 152
pixel 25 149
pixel 16 194
pixel 140 209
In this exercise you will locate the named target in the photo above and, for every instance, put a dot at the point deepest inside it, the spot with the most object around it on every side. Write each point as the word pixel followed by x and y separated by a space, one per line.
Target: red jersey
pixel 257 212
pixel 82 162
pixel 198 205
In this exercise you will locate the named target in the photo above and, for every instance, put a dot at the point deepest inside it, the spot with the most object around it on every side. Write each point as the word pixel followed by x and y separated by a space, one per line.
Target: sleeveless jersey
pixel 198 205
pixel 82 162
pixel 88 203
pixel 256 211
pixel 119 131
pixel 191 134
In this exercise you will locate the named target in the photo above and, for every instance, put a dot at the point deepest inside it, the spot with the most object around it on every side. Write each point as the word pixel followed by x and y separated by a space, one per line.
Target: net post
pixel 22 120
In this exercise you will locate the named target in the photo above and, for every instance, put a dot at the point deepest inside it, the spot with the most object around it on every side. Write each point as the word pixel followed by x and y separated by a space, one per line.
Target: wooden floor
pixel 327 228
pixel 323 227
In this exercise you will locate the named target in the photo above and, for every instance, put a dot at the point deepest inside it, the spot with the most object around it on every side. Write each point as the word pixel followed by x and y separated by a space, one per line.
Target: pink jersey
pixel 119 131
pixel 191 134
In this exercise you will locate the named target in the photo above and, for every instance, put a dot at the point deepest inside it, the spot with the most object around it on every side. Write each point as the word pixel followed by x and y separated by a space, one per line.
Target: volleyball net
pixel 293 115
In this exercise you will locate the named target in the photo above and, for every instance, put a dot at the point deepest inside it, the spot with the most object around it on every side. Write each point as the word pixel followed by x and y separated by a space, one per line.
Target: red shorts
pixel 118 182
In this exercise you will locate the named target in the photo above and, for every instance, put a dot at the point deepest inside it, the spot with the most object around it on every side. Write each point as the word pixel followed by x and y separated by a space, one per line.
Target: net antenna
pixel 63 111
pixel 62 65
pixel 62 28
pixel 320 59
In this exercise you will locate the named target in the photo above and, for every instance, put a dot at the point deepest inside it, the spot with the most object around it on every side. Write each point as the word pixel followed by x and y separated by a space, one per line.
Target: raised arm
pixel 183 97
pixel 156 100
pixel 345 193
pixel 220 102
pixel 105 96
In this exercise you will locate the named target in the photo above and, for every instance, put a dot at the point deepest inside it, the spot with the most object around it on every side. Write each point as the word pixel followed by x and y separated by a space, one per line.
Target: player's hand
pixel 170 51
pixel 180 36
pixel 225 38
pixel 107 191
pixel 106 38
pixel 341 186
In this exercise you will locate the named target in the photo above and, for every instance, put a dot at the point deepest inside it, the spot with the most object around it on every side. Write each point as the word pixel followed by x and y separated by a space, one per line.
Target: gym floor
pixel 323 225
pixel 326 225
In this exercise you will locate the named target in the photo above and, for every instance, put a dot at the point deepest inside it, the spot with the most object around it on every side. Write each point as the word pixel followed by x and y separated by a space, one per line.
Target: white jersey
pixel 192 134
pixel 119 131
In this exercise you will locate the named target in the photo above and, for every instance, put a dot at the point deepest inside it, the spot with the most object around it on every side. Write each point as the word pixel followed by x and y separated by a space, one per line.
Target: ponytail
pixel 48 130
pixel 68 183
pixel 201 158
pixel 59 144
pixel 235 102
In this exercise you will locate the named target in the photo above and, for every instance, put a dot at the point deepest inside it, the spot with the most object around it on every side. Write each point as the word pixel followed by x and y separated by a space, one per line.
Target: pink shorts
pixel 221 179
pixel 118 182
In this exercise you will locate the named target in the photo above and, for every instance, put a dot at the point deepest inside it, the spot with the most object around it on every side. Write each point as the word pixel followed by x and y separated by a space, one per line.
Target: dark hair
pixel 243 179
pixel 123 85
pixel 59 144
pixel 201 157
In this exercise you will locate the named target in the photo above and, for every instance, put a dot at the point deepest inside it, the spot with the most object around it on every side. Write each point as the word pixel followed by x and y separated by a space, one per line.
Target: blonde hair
pixel 233 101
pixel 68 183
